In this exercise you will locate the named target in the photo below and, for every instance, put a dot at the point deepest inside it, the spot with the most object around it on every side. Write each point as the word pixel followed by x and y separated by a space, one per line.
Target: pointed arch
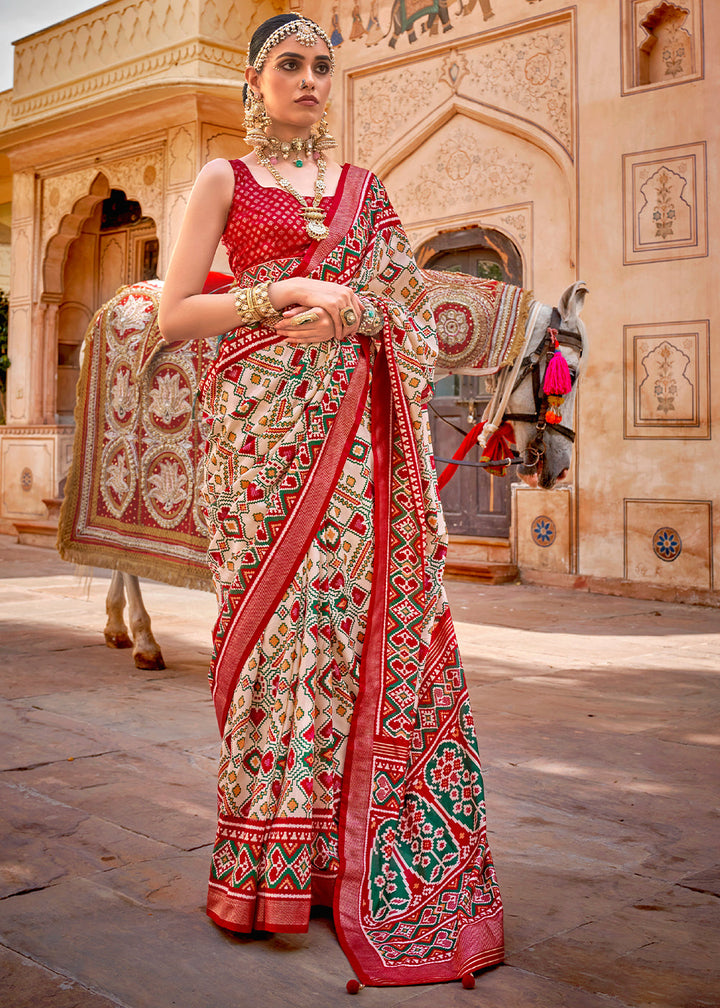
pixel 70 227
pixel 504 122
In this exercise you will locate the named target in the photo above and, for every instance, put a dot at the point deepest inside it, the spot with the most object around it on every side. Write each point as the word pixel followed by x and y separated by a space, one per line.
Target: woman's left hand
pixel 301 326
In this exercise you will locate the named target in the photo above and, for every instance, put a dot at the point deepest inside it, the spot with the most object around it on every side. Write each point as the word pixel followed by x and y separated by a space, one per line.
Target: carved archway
pixel 94 251
pixel 496 119
pixel 468 115
pixel 490 244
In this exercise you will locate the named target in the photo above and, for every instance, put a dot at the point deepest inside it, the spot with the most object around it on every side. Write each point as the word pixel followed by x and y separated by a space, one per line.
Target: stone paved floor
pixel 598 726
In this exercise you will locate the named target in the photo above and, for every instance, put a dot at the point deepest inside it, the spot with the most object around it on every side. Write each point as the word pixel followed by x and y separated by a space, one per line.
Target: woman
pixel 349 773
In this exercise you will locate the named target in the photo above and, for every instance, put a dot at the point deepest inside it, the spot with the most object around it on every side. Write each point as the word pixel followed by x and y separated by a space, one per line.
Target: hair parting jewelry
pixel 307 34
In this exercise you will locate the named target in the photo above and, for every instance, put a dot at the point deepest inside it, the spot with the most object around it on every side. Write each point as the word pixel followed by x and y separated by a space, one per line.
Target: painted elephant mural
pixel 404 14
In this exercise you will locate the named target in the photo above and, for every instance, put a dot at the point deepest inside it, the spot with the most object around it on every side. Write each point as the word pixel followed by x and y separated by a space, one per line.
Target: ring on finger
pixel 348 316
pixel 305 318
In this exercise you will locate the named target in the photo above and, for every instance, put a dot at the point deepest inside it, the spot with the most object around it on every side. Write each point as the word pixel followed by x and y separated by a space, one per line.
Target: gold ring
pixel 348 316
pixel 305 318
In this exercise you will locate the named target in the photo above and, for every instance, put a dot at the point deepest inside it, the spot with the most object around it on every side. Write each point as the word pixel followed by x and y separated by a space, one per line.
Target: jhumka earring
pixel 323 139
pixel 256 120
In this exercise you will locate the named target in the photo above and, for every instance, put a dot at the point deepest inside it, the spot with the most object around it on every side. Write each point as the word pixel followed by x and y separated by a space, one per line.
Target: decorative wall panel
pixel 27 470
pixel 525 74
pixel 662 43
pixel 543 529
pixel 669 542
pixel 667 380
pixel 219 142
pixel 665 198
pixel 181 161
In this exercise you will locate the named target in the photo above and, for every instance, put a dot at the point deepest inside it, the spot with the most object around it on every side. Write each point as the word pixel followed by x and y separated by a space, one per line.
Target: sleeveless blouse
pixel 248 238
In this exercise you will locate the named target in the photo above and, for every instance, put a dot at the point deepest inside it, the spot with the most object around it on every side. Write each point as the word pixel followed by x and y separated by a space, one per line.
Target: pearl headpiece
pixel 307 32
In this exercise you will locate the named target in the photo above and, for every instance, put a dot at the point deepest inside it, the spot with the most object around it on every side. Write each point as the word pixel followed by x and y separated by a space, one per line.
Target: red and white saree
pixel 349 772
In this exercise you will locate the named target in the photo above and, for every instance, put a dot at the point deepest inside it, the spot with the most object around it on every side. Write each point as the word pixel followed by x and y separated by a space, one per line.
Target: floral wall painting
pixel 666 204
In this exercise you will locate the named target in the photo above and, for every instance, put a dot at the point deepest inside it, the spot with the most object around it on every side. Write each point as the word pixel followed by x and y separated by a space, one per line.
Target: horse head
pixel 547 446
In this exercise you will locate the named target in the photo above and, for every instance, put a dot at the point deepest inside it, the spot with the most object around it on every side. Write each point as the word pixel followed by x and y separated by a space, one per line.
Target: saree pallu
pixel 349 771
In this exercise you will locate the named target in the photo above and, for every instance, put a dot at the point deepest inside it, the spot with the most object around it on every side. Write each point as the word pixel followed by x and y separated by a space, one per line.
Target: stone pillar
pixel 20 390
pixel 50 362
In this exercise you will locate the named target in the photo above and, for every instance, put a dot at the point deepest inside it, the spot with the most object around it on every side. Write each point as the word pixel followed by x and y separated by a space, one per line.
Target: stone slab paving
pixel 598 725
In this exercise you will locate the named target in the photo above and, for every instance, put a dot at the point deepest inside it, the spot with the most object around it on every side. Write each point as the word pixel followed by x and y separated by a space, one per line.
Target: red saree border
pixel 353 818
pixel 293 540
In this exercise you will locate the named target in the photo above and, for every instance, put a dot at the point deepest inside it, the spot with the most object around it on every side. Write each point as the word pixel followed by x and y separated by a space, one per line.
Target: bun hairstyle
pixel 268 28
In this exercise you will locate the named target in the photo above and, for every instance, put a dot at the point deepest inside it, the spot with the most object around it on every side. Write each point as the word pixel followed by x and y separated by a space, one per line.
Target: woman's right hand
pixel 318 294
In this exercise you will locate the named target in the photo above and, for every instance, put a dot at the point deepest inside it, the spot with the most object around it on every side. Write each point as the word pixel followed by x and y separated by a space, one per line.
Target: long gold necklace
pixel 314 217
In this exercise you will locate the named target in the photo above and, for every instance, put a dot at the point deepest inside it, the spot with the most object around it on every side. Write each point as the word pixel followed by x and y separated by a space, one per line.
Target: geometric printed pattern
pixel 349 767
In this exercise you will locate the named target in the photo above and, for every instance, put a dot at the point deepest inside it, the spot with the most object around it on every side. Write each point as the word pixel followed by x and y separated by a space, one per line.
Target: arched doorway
pixel 105 243
pixel 475 504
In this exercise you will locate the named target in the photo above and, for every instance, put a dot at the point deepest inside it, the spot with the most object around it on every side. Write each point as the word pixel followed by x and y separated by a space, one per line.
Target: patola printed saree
pixel 349 772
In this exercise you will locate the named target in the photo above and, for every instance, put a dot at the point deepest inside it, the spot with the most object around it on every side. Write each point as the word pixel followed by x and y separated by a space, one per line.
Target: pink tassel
pixel 557 380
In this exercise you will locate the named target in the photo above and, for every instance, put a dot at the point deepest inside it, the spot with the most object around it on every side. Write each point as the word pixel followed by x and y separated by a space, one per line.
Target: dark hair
pixel 265 30
pixel 263 33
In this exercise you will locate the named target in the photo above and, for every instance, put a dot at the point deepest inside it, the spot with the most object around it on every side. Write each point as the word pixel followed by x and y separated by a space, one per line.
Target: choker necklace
pixel 313 215
pixel 297 149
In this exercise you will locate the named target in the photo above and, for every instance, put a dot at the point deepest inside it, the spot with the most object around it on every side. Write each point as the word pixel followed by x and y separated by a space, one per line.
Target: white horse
pixel 544 448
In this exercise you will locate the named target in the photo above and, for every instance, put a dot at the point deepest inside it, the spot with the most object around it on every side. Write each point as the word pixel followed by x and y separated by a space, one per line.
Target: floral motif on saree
pixel 349 769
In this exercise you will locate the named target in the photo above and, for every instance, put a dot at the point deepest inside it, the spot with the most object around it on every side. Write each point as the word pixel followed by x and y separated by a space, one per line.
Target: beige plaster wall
pixel 646 458
pixel 533 118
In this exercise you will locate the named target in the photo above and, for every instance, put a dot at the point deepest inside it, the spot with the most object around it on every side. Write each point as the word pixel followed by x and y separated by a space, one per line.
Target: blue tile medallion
pixel 667 544
pixel 543 531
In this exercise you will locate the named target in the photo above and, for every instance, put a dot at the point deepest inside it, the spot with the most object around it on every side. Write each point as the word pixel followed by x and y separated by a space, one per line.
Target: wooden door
pixel 475 503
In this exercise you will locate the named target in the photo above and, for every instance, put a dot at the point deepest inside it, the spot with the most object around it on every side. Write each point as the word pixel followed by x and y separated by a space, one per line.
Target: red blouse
pixel 264 223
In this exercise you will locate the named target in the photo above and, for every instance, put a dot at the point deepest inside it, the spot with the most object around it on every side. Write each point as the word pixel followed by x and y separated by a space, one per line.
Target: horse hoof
pixel 149 662
pixel 117 640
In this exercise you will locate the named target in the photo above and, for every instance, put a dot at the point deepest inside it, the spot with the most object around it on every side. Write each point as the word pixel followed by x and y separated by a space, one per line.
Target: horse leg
pixel 146 652
pixel 116 634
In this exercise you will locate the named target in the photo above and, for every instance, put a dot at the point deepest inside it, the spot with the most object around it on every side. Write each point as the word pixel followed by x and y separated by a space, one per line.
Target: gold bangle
pixel 245 307
pixel 262 303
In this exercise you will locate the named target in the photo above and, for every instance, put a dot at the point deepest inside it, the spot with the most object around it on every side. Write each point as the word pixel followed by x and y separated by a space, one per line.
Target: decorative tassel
pixel 557 382
pixel 353 986
pixel 497 447
pixel 468 981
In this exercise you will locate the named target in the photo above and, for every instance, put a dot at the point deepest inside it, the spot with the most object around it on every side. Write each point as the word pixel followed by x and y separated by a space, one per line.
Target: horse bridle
pixel 535 449
pixel 530 365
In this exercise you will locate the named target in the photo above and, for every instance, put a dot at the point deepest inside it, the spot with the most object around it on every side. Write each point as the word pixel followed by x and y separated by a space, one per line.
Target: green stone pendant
pixel 299 163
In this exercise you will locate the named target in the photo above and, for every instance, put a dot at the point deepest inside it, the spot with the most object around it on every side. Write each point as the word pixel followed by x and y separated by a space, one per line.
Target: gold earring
pixel 256 119
pixel 323 139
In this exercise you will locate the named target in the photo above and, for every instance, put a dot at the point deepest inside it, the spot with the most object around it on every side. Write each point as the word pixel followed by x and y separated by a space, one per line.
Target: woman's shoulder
pixel 217 170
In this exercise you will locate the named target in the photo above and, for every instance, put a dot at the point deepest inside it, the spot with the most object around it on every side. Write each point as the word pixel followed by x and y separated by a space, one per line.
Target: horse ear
pixel 571 303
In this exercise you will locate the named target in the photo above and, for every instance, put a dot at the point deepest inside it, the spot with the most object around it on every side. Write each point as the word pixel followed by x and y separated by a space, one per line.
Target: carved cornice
pixel 158 68
pixel 35 430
